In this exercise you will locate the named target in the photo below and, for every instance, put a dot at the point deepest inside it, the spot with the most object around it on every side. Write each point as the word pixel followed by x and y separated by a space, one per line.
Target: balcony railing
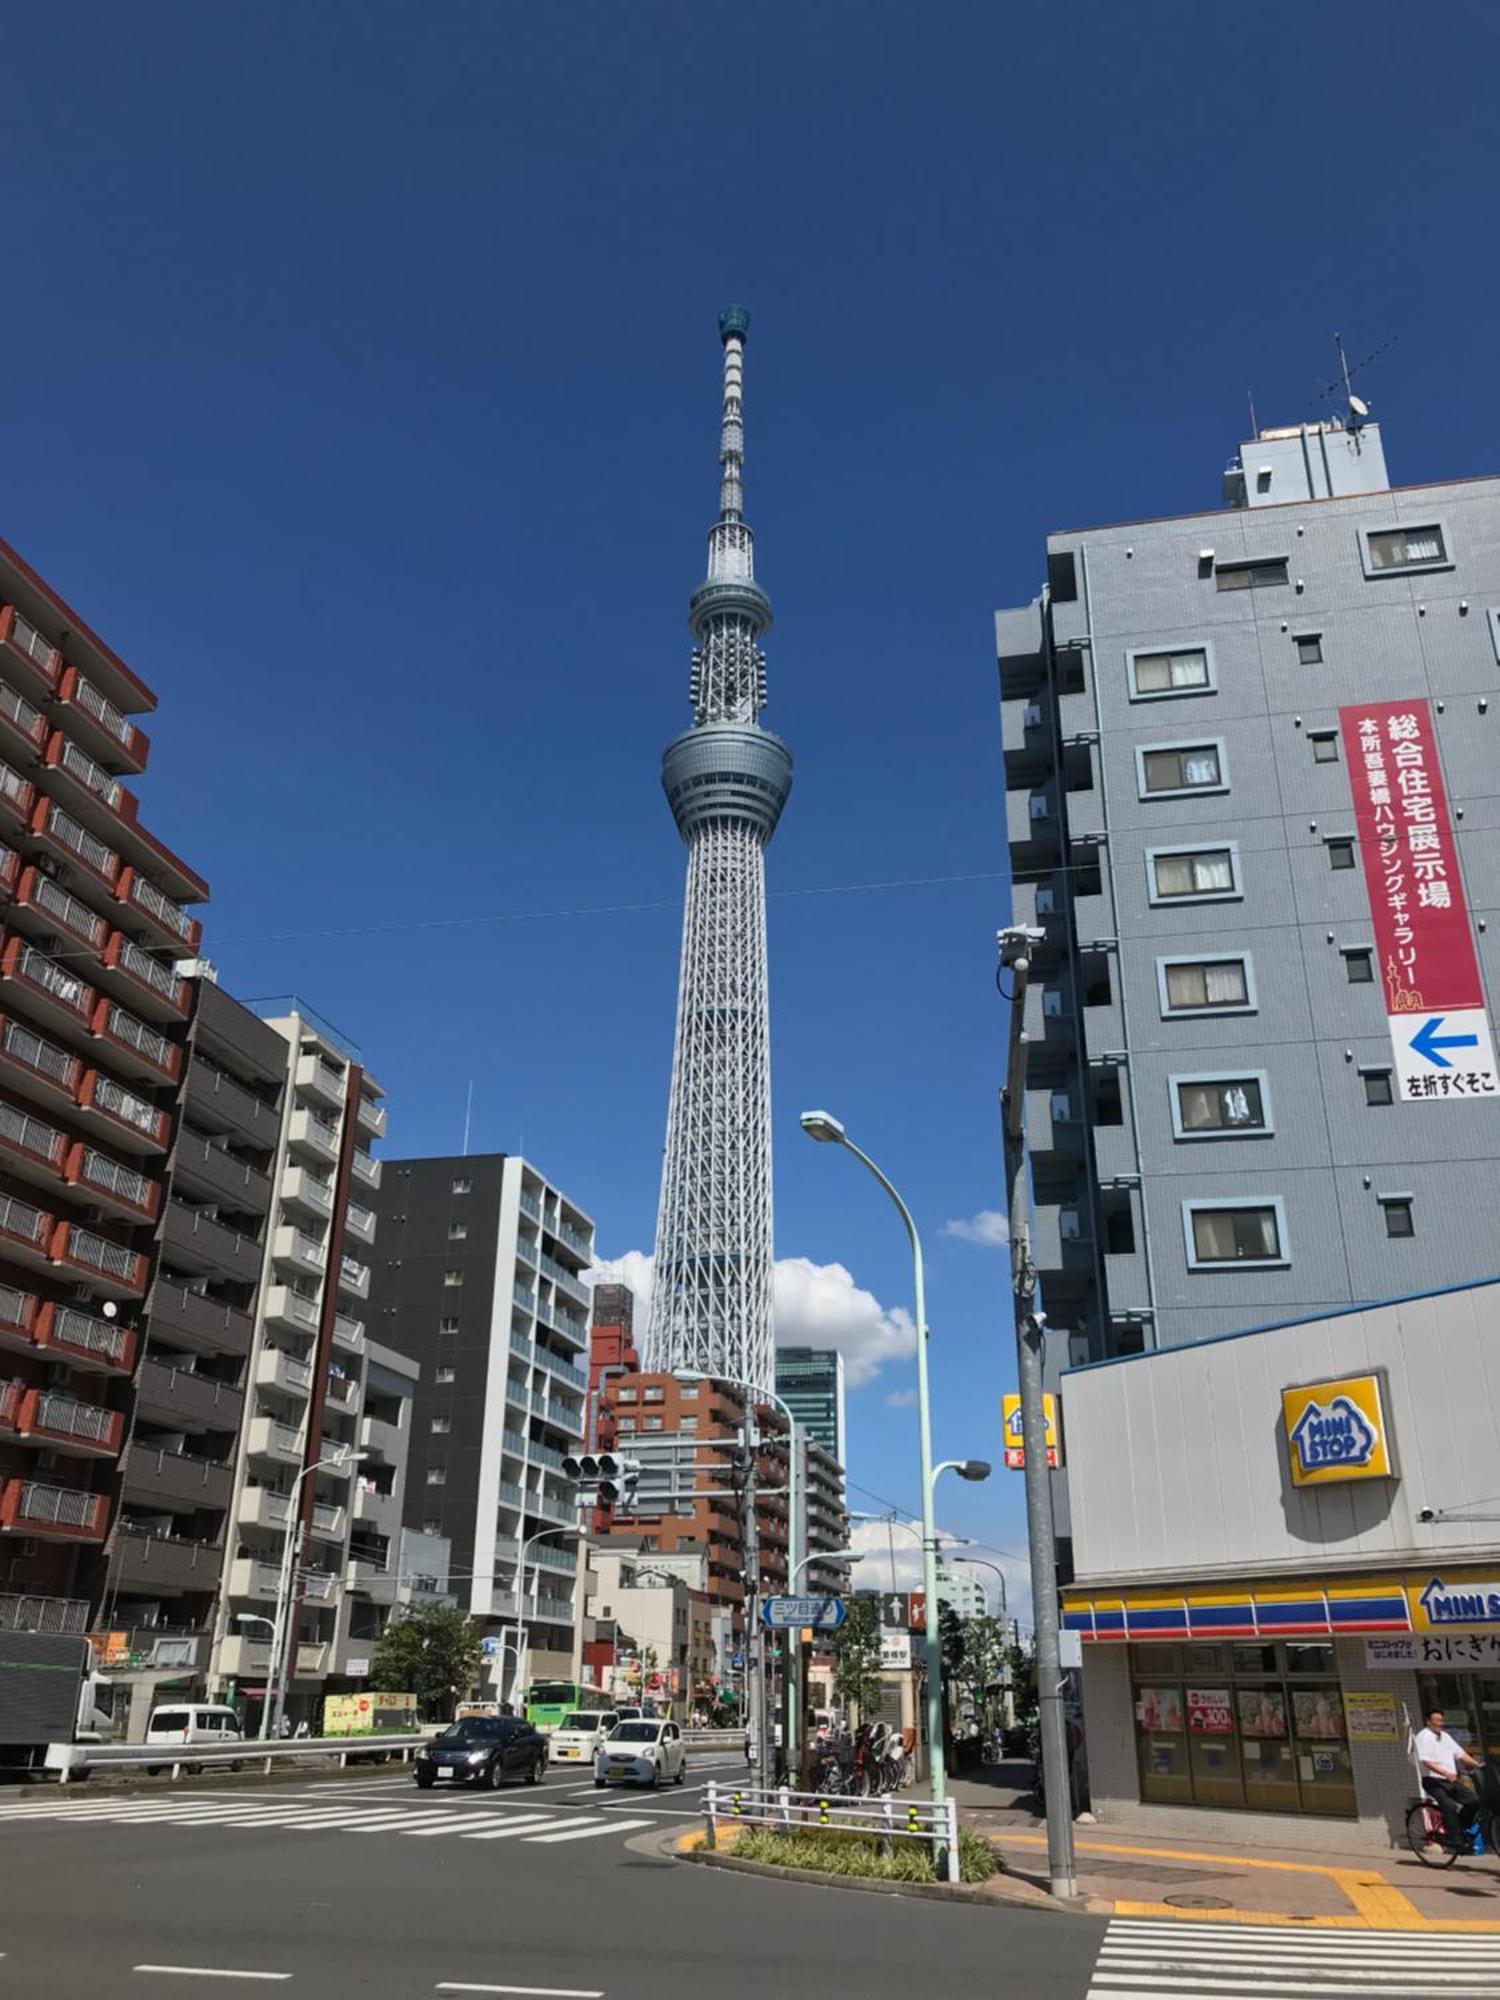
pixel 112 1097
pixel 65 1416
pixel 81 1331
pixel 16 790
pixel 43 1614
pixel 366 1166
pixel 26 639
pixel 166 912
pixel 524 1296
pixel 353 1274
pixel 103 711
pixel 84 1247
pixel 149 971
pixel 360 1217
pixel 30 721
pixel 569 1280
pixel 30 1505
pixel 90 774
pixel 10 1404
pixel 531 1206
pixel 573 1240
pixel 102 1172
pixel 66 909
pixel 46 1058
pixel 63 828
pixel 145 1041
pixel 35 966
pixel 10 867
pixel 30 1135
pixel 19 1218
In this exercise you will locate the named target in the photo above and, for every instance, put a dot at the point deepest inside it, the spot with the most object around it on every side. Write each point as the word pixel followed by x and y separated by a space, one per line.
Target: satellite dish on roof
pixel 1358 407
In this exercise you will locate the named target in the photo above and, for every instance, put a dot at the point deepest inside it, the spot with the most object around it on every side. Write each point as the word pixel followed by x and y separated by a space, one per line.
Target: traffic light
pixel 605 1474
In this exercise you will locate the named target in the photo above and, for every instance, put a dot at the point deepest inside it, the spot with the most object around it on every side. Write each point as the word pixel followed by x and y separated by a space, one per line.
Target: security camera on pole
pixel 1015 955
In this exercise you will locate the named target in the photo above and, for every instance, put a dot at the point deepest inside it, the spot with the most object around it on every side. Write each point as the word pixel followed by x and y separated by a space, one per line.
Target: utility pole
pixel 1015 954
pixel 755 1658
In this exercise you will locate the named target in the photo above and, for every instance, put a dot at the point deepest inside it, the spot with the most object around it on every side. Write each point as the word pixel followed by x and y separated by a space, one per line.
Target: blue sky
pixel 363 375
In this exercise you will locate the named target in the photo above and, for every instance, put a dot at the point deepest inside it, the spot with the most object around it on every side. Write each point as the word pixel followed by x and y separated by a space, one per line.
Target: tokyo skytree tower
pixel 726 780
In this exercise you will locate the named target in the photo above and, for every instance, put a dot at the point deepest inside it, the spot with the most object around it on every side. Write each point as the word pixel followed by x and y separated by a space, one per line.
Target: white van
pixel 579 1734
pixel 194 1722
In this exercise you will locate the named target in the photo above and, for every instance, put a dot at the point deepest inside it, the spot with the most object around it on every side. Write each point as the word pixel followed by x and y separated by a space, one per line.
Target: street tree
pixel 856 1655
pixel 432 1651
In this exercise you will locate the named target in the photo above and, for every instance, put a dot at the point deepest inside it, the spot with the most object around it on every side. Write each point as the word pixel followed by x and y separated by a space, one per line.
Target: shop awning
pixel 1283 1610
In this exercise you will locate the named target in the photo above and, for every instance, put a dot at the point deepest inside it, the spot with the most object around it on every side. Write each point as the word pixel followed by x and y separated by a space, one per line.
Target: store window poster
pixel 1159 1709
pixel 1262 1712
pixel 1319 1712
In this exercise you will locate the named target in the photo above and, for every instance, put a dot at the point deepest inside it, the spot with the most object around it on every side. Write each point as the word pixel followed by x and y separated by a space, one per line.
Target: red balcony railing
pixel 98 719
pixel 118 1186
pixel 59 1513
pixel 30 652
pixel 70 1423
pixel 83 1340
pixel 24 1229
pixel 108 1264
pixel 86 774
pixel 18 1317
pixel 113 1023
pixel 142 1121
pixel 17 797
pixel 62 991
pixel 32 1139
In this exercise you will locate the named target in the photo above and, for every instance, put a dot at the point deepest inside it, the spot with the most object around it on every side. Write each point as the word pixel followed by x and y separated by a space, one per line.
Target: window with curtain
pixel 1399 548
pixel 1170 673
pixel 1233 1105
pixel 1211 982
pixel 1249 1235
pixel 1251 575
pixel 1184 770
pixel 1207 871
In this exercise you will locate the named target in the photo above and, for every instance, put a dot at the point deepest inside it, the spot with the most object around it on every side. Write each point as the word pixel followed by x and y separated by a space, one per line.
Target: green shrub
pixel 840 1853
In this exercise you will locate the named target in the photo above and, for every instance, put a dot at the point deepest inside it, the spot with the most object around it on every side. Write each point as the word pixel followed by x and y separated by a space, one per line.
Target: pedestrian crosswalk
pixel 1143 1959
pixel 464 1821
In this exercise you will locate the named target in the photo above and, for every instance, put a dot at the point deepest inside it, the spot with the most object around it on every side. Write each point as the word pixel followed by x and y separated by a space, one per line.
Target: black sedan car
pixel 484 1750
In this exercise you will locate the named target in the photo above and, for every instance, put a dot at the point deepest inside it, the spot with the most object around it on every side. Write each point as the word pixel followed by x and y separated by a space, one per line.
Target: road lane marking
pixel 538 1992
pixel 211 1972
pixel 520 1823
pixel 591 1832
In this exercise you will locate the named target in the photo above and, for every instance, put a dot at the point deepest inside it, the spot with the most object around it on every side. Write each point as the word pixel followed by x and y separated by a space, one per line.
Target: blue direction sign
pixel 789 1614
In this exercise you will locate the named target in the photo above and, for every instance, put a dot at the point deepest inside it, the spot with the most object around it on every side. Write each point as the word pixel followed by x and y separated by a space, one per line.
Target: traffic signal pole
pixel 1015 955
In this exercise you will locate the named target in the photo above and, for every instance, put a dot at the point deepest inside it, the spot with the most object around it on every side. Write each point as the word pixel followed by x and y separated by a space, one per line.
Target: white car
pixel 579 1735
pixel 644 1752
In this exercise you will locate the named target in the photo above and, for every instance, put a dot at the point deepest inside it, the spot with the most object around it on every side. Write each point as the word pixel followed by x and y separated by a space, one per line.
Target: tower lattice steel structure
pixel 726 780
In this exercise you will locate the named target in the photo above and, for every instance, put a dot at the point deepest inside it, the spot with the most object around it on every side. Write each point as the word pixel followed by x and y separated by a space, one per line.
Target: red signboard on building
pixel 1424 945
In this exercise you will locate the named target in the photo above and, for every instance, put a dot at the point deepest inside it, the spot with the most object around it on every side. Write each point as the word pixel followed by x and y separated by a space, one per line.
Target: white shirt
pixel 1438 1747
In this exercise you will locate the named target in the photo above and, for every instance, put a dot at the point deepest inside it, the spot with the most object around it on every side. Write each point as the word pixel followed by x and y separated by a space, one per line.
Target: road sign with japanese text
pixel 1424 943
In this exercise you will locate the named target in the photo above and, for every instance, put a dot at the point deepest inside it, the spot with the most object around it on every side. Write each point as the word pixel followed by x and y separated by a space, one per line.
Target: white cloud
pixel 901 1399
pixel 814 1305
pixel 989 1229
pixel 894 1549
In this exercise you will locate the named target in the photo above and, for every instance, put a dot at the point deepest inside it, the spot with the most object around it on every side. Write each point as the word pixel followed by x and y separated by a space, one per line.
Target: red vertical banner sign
pixel 1424 943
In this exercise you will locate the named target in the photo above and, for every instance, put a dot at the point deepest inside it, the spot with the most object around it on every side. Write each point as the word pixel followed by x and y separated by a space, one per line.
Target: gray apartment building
pixel 810 1381
pixel 480 1281
pixel 1200 715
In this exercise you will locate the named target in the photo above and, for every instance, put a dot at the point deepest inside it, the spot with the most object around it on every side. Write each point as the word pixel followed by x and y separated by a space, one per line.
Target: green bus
pixel 547 1702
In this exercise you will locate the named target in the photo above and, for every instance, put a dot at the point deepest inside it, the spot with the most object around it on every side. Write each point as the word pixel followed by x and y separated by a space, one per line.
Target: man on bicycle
pixel 1441 1757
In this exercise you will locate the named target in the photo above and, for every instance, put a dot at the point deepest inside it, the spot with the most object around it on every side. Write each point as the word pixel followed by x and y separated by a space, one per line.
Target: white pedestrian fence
pixel 885 1819
pixel 78 1760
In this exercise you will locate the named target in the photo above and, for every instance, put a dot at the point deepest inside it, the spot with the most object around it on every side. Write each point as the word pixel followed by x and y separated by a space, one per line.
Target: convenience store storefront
pixel 1266 1614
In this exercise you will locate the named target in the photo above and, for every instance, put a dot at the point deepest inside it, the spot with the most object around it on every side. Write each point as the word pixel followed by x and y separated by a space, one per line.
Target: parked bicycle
pixel 1478 1830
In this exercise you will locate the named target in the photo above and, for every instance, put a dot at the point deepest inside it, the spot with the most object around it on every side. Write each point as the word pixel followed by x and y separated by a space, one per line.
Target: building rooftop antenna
pixel 1356 409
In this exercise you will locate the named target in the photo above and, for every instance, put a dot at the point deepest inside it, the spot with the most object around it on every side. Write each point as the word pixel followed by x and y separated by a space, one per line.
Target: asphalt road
pixel 368 1888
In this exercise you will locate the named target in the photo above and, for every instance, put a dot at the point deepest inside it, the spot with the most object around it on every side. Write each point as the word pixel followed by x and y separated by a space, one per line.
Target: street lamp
pixel 275 1701
pixel 523 1624
pixel 826 1129
pixel 977 1562
pixel 823 1556
pixel 794 1537
pixel 966 1468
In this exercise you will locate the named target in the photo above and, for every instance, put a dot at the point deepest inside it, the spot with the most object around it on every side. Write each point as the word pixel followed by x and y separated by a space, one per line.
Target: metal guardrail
pixel 885 1819
pixel 72 1760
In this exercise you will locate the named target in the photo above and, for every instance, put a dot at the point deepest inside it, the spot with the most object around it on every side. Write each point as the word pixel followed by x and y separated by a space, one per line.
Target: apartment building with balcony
pixel 94 1018
pixel 480 1281
pixel 296 1472
pixel 382 1565
pixel 1222 1132
pixel 163 1563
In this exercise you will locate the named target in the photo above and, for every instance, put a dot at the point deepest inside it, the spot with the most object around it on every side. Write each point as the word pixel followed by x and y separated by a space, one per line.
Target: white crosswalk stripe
pixel 1148 1959
pixel 359 1815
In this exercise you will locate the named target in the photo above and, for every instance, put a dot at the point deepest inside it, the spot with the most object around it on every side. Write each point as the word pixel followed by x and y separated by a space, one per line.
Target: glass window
pixel 457 1231
pixel 653 1393
pixel 1378 1088
pixel 1153 1662
pixel 1204 983
pixel 441 1426
pixel 1310 649
pixel 687 1392
pixel 462 1186
pixel 1325 746
pixel 625 1395
pixel 1309 1659
pixel 1170 673
pixel 1235 1104
pixel 687 1423
pixel 1254 1659
pixel 1359 968
pixel 451 1278
pixel 436 1476
pixel 447 1326
pixel 1190 769
pixel 1242 1235
pixel 1203 871
pixel 650 1423
pixel 1398 1218
pixel 1400 548
pixel 1250 575
pixel 444 1374
pixel 1340 853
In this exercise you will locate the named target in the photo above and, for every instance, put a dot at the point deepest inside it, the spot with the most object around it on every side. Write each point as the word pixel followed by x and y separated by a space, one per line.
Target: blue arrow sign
pixel 785 1614
pixel 1430 1044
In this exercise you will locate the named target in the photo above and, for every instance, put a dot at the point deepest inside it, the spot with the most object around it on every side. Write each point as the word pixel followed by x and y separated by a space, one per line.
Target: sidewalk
pixel 1132 1875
